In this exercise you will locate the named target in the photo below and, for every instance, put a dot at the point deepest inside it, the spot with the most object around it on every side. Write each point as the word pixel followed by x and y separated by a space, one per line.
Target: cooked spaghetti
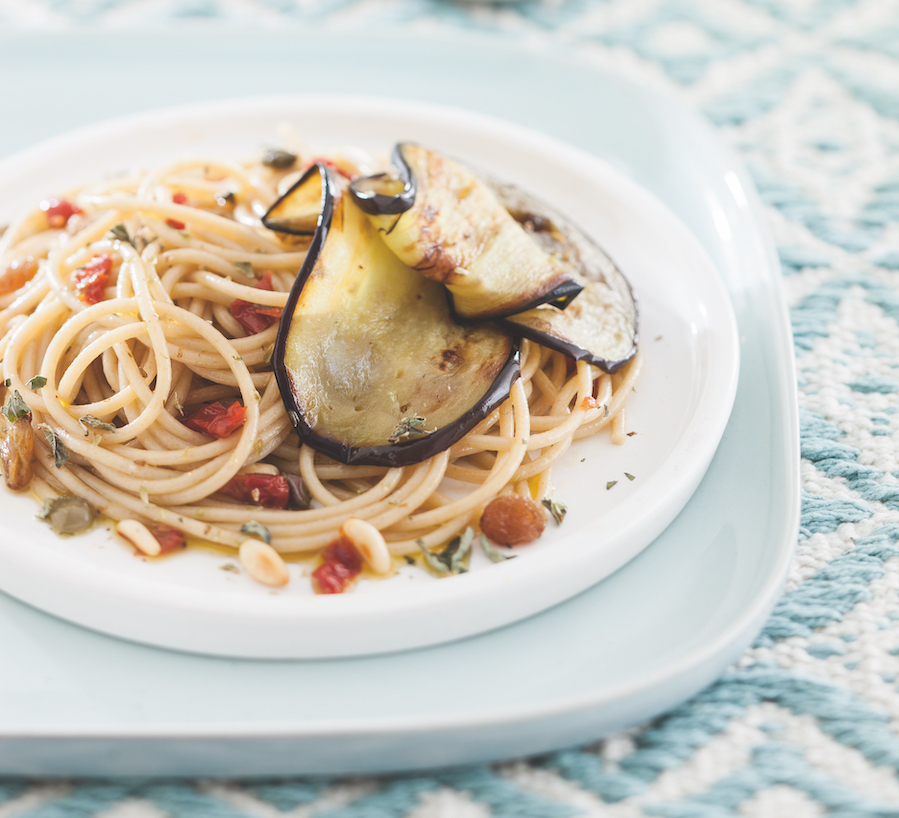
pixel 122 299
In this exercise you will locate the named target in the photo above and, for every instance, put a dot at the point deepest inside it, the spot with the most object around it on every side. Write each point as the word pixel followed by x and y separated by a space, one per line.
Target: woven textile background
pixel 807 722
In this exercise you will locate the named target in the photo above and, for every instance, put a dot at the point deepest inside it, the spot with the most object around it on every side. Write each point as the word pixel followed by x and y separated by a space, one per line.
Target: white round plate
pixel 679 411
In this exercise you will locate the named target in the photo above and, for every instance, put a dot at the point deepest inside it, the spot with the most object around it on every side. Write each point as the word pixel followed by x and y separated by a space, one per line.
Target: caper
pixel 69 514
pixel 279 159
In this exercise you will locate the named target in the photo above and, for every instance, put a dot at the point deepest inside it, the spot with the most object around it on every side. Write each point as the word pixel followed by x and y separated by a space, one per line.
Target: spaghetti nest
pixel 130 354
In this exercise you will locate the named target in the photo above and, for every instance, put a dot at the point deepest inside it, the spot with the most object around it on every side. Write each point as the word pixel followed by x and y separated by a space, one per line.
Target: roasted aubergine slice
pixel 371 366
pixel 600 325
pixel 441 219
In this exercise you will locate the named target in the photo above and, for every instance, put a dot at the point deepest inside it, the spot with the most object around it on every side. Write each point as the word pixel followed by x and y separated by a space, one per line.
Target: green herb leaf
pixel 119 232
pixel 408 429
pixel 37 382
pixel 255 529
pixel 246 268
pixel 60 452
pixel 454 555
pixel 431 559
pixel 629 476
pixel 267 354
pixel 558 510
pixel 15 408
pixel 492 552
pixel 610 484
pixel 96 423
pixel 8 382
pixel 230 567
pixel 45 510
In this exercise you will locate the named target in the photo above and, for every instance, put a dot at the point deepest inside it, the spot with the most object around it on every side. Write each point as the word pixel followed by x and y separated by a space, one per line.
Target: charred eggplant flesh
pixel 456 233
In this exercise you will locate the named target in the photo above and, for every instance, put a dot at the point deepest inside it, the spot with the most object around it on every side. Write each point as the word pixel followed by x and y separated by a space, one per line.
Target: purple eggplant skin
pixel 502 372
pixel 318 241
pixel 270 221
pixel 368 198
pixel 606 308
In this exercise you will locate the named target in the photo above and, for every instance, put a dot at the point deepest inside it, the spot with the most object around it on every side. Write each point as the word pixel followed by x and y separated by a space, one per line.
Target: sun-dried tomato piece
pixel 216 419
pixel 341 564
pixel 59 211
pixel 17 273
pixel 255 318
pixel 179 198
pixel 175 224
pixel 90 280
pixel 169 538
pixel 266 490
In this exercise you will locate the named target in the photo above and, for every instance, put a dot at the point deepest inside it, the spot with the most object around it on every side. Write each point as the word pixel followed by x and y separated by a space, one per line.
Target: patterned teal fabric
pixel 805 724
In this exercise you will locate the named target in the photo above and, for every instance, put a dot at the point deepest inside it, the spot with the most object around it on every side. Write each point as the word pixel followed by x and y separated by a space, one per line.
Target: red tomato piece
pixel 175 224
pixel 169 538
pixel 254 318
pixel 179 197
pixel 217 420
pixel 266 490
pixel 59 211
pixel 341 564
pixel 90 280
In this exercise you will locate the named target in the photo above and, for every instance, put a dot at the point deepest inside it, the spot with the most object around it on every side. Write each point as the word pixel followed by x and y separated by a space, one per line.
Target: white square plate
pixel 73 702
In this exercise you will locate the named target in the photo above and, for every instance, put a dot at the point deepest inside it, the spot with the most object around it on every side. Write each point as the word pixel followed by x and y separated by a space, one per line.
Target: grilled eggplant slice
pixel 455 232
pixel 601 325
pixel 300 209
pixel 371 366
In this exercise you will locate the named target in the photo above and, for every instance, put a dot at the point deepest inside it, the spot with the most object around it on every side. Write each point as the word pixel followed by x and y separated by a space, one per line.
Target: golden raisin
pixel 513 520
pixel 17 274
pixel 16 454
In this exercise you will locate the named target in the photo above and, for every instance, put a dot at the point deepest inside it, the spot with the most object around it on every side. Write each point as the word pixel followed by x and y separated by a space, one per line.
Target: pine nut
pixel 369 542
pixel 139 536
pixel 263 563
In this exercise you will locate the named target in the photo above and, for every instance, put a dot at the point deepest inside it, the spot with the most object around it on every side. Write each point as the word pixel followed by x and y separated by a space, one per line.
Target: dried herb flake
pixel 96 423
pixel 15 408
pixel 558 510
pixel 255 529
pixel 408 429
pixel 60 452
pixel 492 552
